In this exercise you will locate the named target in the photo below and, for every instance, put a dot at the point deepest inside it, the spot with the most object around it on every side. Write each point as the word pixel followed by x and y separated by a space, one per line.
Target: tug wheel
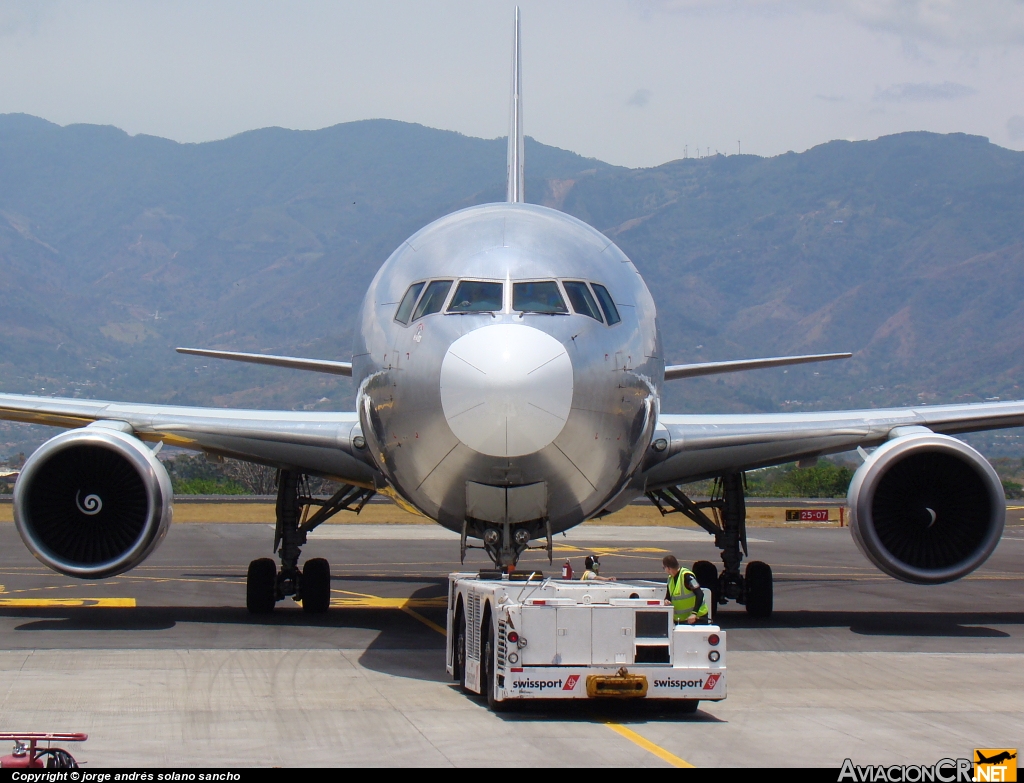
pixel 459 653
pixel 487 668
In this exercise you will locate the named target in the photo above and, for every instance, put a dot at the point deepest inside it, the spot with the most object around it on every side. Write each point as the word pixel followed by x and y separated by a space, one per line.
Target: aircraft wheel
pixel 759 589
pixel 707 575
pixel 261 586
pixel 316 586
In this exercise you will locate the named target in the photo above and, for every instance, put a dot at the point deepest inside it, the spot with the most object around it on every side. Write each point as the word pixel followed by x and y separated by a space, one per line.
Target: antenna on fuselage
pixel 515 192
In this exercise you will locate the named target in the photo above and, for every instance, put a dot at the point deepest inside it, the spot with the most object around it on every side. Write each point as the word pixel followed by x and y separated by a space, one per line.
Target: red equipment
pixel 31 756
pixel 567 570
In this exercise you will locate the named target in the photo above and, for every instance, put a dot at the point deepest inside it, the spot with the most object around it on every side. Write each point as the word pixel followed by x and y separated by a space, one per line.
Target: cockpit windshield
pixel 581 298
pixel 433 299
pixel 474 296
pixel 405 308
pixel 540 296
pixel 611 312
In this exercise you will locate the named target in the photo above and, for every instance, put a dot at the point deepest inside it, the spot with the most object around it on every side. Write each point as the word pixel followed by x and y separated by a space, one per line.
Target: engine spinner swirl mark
pixel 92 505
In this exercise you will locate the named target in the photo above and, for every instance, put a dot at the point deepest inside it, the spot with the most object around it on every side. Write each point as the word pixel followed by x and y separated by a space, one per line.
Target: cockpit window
pixel 433 299
pixel 473 296
pixel 581 299
pixel 610 312
pixel 538 297
pixel 405 308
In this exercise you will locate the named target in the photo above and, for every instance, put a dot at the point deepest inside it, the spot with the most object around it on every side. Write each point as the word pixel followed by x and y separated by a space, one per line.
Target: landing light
pixel 660 444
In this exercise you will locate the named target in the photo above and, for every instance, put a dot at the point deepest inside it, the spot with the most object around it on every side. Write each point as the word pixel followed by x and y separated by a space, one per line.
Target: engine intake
pixel 926 508
pixel 92 503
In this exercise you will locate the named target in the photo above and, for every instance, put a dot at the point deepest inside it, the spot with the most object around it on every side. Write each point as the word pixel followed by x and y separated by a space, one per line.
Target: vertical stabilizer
pixel 515 192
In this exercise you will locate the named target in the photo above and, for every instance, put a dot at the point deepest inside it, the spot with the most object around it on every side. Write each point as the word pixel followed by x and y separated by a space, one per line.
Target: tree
pixel 258 479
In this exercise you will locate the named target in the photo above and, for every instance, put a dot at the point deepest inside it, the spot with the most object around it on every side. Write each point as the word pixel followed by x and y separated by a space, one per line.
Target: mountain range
pixel 907 250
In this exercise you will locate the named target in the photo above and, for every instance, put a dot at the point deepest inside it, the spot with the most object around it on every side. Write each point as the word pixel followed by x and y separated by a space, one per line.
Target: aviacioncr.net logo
pixel 995 764
pixel 942 771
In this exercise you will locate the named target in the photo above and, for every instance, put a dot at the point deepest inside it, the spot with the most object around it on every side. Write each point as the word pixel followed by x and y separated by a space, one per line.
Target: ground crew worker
pixel 591 567
pixel 683 592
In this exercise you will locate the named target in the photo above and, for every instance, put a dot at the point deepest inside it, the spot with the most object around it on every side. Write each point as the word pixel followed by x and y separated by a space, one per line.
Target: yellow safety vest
pixel 683 600
pixel 588 575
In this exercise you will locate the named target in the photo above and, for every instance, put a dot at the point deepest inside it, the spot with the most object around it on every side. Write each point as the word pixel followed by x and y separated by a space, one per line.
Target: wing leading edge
pixel 315 442
pixel 290 362
pixel 675 371
pixel 704 446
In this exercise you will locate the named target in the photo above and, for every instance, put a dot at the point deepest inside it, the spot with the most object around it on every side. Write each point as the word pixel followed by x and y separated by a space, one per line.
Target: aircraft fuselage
pixel 462 404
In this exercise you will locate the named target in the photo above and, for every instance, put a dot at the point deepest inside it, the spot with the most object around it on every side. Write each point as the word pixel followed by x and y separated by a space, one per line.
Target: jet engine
pixel 92 503
pixel 926 508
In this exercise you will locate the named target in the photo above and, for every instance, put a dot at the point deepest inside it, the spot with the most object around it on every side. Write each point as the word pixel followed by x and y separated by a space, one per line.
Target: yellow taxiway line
pixel 618 728
pixel 42 603
pixel 364 601
pixel 649 746
pixel 349 601
pixel 429 623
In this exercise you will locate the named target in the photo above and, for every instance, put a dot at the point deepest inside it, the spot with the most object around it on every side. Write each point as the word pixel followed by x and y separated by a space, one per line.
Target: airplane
pixel 509 371
pixel 996 759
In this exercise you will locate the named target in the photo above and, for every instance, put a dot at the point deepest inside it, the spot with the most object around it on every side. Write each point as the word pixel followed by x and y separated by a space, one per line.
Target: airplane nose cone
pixel 506 390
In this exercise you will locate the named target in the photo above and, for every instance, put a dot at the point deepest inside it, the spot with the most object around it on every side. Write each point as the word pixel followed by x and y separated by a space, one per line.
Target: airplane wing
pixel 676 371
pixel 290 362
pixel 313 442
pixel 704 446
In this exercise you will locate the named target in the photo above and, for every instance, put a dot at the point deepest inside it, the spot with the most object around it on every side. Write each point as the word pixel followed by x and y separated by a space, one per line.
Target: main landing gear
pixel 752 588
pixel 265 584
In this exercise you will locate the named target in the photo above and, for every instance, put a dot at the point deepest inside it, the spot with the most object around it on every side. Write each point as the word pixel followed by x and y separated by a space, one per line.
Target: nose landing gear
pixel 754 588
pixel 265 583
pixel 505 542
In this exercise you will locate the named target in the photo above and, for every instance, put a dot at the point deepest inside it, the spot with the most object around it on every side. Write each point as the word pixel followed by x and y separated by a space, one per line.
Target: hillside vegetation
pixel 908 250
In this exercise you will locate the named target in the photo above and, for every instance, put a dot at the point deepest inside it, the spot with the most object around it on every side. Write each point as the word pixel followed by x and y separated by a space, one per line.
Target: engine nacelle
pixel 92 503
pixel 926 508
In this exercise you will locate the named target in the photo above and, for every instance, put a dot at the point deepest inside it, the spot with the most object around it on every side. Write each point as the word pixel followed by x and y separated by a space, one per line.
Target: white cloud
pixel 924 91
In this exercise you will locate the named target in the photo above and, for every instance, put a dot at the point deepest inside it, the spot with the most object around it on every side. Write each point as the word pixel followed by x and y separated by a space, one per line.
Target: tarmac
pixel 163 666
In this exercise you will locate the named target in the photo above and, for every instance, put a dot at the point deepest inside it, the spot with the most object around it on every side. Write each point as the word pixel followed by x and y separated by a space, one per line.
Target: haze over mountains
pixel 908 250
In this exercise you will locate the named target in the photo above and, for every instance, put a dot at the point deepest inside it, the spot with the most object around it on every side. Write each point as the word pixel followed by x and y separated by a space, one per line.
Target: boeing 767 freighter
pixel 509 370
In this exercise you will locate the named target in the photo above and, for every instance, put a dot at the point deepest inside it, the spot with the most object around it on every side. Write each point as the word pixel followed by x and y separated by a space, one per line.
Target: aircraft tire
pixel 261 586
pixel 759 590
pixel 316 586
pixel 707 576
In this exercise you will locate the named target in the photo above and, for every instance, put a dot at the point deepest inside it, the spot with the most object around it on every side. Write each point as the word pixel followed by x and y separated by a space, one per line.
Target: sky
pixel 631 82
